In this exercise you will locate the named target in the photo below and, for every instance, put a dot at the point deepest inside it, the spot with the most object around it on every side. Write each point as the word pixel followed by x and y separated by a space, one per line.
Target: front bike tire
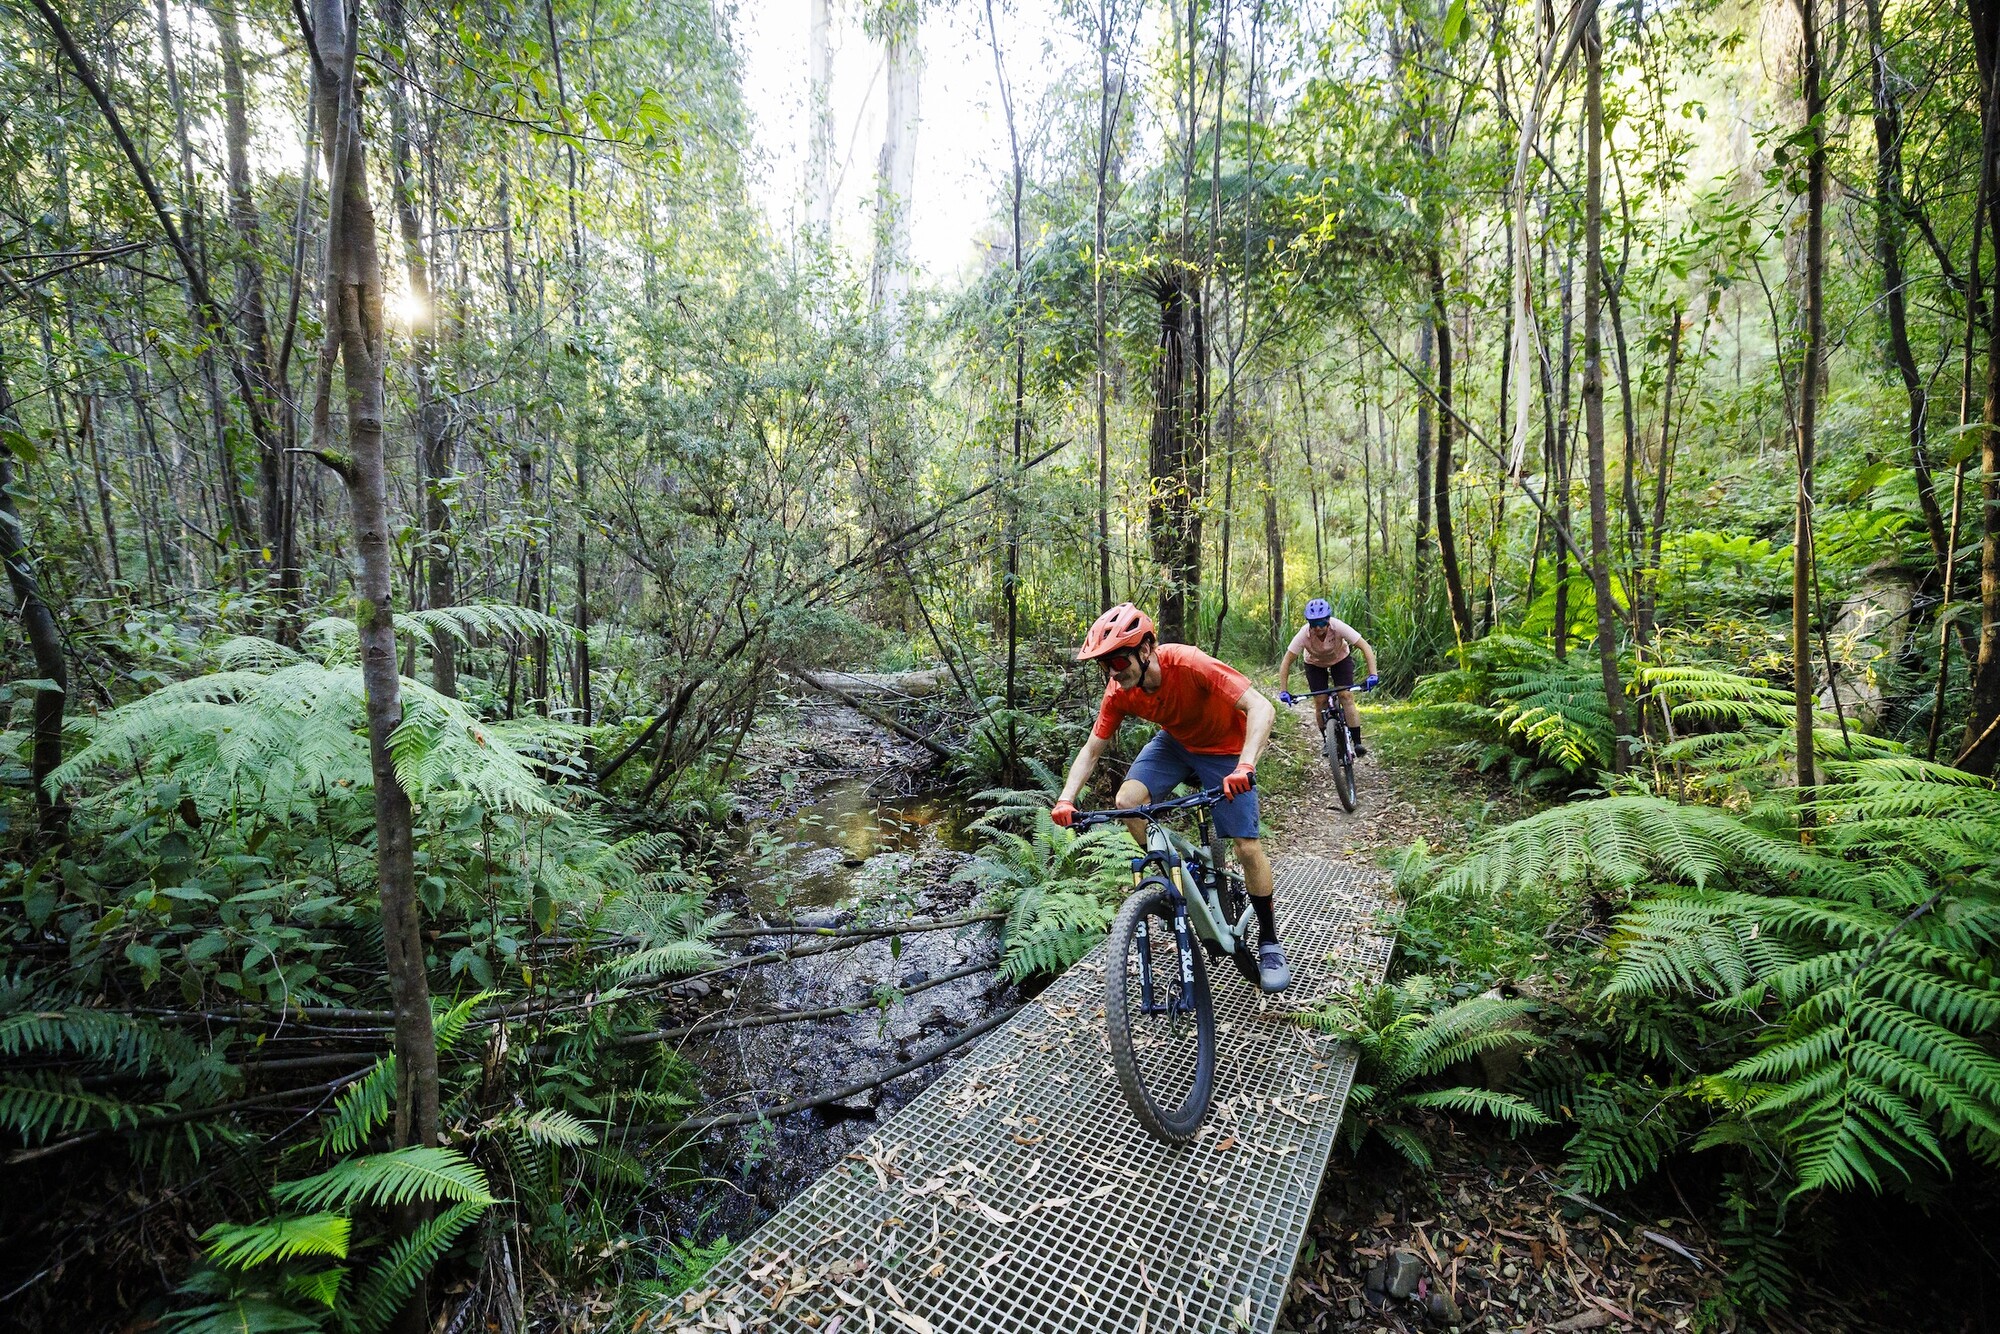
pixel 1165 1062
pixel 1338 759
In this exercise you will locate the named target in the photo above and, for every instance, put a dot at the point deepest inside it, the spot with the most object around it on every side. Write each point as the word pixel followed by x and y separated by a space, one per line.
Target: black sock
pixel 1267 919
pixel 1355 728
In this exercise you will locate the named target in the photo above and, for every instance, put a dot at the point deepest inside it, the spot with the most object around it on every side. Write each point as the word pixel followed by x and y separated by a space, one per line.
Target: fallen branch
pixel 727 1023
pixel 869 711
pixel 951 1044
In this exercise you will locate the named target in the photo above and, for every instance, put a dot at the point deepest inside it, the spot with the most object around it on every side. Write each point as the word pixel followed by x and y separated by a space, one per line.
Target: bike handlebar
pixel 1360 690
pixel 1208 797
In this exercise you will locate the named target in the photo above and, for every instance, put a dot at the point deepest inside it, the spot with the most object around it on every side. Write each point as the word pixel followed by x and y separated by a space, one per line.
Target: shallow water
pixel 844 843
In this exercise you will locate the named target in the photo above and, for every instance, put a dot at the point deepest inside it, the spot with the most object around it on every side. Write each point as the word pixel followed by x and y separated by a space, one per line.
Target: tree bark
pixel 1019 423
pixel 1808 399
pixel 434 443
pixel 1890 212
pixel 1426 353
pixel 1454 579
pixel 1180 410
pixel 1982 747
pixel 1593 391
pixel 354 311
pixel 250 307
pixel 44 637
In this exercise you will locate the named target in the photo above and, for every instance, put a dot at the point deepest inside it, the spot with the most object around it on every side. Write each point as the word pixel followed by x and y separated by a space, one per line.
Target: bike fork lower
pixel 1177 1001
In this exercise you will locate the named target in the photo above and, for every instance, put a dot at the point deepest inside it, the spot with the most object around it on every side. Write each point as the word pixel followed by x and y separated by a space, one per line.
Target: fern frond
pixel 396 1275
pixel 247 1245
pixel 384 1180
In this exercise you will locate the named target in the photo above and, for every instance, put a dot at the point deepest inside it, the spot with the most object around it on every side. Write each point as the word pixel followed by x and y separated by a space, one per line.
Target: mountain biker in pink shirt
pixel 1327 643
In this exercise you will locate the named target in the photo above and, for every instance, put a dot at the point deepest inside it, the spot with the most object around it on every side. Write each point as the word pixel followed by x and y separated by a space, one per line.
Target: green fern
pixel 381 1292
pixel 1402 1038
pixel 1060 889
pixel 385 1180
pixel 246 1245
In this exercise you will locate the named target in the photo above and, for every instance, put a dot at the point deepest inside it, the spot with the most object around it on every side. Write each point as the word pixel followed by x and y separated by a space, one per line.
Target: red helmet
pixel 1121 627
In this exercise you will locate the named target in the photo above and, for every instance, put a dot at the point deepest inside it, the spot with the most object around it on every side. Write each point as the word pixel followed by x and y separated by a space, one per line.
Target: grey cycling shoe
pixel 1273 974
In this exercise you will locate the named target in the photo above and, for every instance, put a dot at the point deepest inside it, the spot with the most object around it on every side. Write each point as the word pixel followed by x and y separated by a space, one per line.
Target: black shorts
pixel 1342 673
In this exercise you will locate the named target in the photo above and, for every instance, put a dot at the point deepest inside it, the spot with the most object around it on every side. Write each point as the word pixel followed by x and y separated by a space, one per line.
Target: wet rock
pixel 1441 1308
pixel 916 977
pixel 1378 1276
pixel 694 988
pixel 1404 1270
pixel 861 1106
pixel 1355 1308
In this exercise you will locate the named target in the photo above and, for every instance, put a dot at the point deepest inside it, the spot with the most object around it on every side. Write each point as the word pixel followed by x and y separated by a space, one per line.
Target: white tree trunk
pixel 819 167
pixel 895 172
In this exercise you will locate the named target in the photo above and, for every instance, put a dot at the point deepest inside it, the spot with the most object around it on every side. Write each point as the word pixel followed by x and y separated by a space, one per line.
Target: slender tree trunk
pixel 1426 352
pixel 434 445
pixel 1454 578
pixel 1982 747
pixel 1647 583
pixel 1593 391
pixel 1019 423
pixel 1274 541
pixel 1175 455
pixel 44 638
pixel 1107 130
pixel 1809 383
pixel 354 310
pixel 250 300
pixel 1890 212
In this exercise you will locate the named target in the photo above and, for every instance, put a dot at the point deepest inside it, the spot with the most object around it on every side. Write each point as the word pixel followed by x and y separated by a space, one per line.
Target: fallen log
pixel 869 711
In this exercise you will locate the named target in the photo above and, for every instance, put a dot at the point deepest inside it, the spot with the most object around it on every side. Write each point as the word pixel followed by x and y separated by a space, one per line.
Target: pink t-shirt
pixel 1324 647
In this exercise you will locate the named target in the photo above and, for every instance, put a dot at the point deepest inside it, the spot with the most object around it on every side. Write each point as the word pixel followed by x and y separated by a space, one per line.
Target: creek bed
pixel 858 833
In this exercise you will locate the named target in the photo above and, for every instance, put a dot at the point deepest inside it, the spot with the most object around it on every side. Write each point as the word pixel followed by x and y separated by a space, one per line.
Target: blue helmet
pixel 1318 610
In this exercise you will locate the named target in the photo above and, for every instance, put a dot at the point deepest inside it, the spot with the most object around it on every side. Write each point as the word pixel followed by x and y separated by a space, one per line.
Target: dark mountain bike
pixel 1157 1008
pixel 1337 744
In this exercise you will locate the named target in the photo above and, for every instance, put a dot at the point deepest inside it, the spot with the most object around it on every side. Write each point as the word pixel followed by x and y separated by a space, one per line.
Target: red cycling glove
pixel 1240 781
pixel 1063 812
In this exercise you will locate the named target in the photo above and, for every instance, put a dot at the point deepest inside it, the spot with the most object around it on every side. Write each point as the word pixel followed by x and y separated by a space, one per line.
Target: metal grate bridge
pixel 1017 1193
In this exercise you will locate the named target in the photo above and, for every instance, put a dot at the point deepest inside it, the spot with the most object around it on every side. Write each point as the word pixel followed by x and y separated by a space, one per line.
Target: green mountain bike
pixel 1157 1009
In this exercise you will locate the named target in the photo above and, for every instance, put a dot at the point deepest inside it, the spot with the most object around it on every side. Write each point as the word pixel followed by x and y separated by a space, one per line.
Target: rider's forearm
pixel 1082 767
pixel 1368 651
pixel 1285 671
pixel 1257 726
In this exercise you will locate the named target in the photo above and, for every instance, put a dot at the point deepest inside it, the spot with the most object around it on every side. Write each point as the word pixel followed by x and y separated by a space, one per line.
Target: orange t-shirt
pixel 1196 702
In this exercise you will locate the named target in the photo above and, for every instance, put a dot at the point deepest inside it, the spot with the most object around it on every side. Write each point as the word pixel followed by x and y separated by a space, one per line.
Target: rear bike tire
pixel 1338 759
pixel 1165 1063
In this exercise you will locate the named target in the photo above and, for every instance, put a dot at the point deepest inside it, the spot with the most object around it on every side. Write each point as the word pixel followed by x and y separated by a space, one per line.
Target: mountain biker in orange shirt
pixel 1213 726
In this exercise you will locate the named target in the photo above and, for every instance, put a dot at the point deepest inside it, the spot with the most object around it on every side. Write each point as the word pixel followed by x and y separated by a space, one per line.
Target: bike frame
pixel 1198 910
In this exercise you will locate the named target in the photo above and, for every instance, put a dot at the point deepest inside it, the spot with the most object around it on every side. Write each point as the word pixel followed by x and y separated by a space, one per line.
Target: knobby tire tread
pixel 1179 1125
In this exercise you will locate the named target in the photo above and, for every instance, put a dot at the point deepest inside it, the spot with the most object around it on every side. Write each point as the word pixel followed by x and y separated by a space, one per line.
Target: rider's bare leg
pixel 1256 867
pixel 1350 708
pixel 1132 793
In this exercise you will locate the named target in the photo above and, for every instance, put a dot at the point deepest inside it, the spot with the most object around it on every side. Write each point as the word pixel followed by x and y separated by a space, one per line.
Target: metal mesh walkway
pixel 1017 1193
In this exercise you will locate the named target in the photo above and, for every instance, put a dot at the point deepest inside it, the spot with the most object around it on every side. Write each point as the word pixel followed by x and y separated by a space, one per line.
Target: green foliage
pixel 1059 889
pixel 247 1245
pixel 278 734
pixel 383 1180
pixel 1406 1038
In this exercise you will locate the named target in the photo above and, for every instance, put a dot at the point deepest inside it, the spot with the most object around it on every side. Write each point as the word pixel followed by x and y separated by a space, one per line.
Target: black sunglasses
pixel 1320 624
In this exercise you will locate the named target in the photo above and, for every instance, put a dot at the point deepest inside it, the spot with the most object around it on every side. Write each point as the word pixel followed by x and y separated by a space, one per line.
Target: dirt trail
pixel 1308 820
